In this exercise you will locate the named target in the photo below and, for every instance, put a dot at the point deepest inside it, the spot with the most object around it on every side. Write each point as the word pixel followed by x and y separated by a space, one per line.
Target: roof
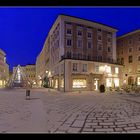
pixel 129 33
pixel 89 21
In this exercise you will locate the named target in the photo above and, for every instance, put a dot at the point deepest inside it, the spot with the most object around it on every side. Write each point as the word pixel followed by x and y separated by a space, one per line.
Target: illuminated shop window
pixel 116 82
pixel 0 82
pixel 116 70
pixel 108 82
pixel 79 83
pixel 138 81
pixel 62 83
pixel 101 68
pixel 56 83
pixel 108 69
pixel 138 68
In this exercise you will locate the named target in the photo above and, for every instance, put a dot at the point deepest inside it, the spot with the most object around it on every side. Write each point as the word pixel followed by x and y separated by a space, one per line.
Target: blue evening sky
pixel 23 29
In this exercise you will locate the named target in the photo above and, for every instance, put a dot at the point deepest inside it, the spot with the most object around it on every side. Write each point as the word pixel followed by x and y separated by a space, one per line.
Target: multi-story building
pixel 128 53
pixel 42 63
pixel 4 69
pixel 30 72
pixel 82 55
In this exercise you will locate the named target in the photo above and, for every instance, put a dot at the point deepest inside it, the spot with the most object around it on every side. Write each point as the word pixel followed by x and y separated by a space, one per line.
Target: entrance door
pixel 130 80
pixel 96 84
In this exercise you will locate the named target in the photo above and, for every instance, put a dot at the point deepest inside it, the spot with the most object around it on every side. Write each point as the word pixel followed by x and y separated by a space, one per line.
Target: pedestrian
pixel 102 88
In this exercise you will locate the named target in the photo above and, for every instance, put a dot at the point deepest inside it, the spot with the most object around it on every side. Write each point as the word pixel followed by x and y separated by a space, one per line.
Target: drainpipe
pixel 64 75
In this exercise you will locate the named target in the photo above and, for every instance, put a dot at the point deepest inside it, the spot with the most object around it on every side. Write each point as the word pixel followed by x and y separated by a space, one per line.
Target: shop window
pixel 56 83
pixel 138 81
pixel 108 69
pixel 116 82
pixel 109 82
pixel 116 70
pixel 79 83
pixel 62 83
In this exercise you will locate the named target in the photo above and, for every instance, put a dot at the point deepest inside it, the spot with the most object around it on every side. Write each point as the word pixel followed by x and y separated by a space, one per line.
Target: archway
pixel 130 80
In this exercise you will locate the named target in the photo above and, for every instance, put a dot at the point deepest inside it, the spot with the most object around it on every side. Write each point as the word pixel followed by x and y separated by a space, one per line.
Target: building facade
pixel 128 53
pixel 4 69
pixel 30 72
pixel 82 55
pixel 42 63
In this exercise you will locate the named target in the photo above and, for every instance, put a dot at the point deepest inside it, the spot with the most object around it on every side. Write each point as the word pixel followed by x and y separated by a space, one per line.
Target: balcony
pixel 89 58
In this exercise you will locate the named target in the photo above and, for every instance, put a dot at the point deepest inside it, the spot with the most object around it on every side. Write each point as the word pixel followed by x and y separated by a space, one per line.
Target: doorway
pixel 96 84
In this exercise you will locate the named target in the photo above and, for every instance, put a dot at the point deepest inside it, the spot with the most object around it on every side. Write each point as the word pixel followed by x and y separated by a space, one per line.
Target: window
pixel 109 40
pixel 99 37
pixel 56 83
pixel 130 41
pixel 75 67
pixel 99 30
pixel 88 57
pixel 100 58
pixel 89 44
pixel 84 67
pixel 130 50
pixel 118 60
pixel 116 82
pixel 79 33
pixel 108 82
pixel 62 83
pixel 122 60
pixel 96 68
pixel 100 46
pixel 109 33
pixel 79 56
pixel 89 35
pixel 138 58
pixel 69 42
pixel 109 49
pixel 79 83
pixel 130 59
pixel 80 43
pixel 108 69
pixel 69 31
pixel 138 80
pixel 116 70
pixel 138 68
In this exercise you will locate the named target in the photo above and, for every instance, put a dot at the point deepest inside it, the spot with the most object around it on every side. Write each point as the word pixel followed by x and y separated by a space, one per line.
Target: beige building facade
pixel 4 69
pixel 82 55
pixel 30 72
pixel 128 53
pixel 42 63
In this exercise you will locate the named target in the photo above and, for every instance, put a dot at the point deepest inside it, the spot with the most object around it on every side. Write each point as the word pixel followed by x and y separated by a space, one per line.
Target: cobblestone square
pixel 57 112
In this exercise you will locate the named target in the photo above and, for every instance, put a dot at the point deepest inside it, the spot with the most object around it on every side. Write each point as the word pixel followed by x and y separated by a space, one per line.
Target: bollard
pixel 27 94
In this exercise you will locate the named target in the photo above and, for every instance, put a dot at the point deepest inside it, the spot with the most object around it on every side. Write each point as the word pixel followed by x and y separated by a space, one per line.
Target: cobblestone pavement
pixel 85 112
pixel 90 112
